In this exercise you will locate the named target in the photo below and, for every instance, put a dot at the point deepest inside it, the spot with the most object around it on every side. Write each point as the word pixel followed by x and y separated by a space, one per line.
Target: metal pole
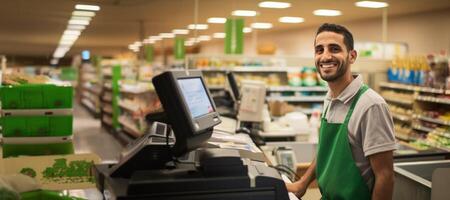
pixel 384 30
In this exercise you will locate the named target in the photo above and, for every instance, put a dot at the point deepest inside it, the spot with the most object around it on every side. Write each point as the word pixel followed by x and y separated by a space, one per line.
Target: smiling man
pixel 354 158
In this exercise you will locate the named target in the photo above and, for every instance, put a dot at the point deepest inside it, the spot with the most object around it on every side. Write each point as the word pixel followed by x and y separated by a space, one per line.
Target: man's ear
pixel 352 55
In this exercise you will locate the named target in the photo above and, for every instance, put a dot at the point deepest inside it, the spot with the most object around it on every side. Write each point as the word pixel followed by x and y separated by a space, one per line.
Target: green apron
pixel 337 174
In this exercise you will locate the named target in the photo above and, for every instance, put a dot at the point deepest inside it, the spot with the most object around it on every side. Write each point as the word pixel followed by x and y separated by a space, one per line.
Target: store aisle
pixel 89 137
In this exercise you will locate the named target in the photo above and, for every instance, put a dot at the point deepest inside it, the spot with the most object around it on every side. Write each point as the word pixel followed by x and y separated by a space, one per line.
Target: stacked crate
pixel 37 119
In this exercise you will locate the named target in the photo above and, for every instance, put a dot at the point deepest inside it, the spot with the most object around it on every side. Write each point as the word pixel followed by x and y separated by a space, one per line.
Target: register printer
pixel 173 160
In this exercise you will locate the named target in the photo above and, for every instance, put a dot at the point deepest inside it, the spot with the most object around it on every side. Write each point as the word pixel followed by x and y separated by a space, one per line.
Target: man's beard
pixel 340 71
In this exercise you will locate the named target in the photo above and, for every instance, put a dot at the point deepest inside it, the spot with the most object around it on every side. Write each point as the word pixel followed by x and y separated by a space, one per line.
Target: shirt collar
pixel 349 92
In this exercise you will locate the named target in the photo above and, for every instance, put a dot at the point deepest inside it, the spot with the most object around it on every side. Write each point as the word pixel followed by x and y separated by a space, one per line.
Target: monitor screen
pixel 194 93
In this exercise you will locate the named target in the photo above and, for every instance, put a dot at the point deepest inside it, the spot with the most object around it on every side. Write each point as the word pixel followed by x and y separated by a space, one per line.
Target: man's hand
pixel 298 188
pixel 383 168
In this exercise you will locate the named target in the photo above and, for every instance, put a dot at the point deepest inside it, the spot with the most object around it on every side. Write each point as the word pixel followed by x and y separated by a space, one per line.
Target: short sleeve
pixel 377 130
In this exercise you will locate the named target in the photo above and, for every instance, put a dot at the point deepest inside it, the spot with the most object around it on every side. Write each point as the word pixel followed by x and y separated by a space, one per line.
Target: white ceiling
pixel 34 27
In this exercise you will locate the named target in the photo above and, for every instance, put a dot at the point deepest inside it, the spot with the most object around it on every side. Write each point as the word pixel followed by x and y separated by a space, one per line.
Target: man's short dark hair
pixel 348 37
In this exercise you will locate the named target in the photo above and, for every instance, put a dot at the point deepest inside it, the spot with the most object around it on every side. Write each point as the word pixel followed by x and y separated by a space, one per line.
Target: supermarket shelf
pixel 437 121
pixel 398 101
pixel 406 87
pixel 297 89
pixel 401 117
pixel 34 112
pixel 216 87
pixel 107 98
pixel 107 109
pixel 447 92
pixel 442 134
pixel 421 128
pixel 433 99
pixel 249 69
pixel 297 98
pixel 136 92
pixel 92 90
pixel 404 137
pixel 90 107
pixel 130 128
pixel 128 107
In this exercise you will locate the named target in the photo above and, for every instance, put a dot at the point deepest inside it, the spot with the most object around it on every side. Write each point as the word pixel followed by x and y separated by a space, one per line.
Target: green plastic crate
pixel 13 150
pixel 46 195
pixel 37 126
pixel 38 96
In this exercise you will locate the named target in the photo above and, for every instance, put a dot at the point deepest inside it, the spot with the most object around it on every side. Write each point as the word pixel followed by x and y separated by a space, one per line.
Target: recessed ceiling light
pixel 291 20
pixel 87 7
pixel 274 4
pixel 219 35
pixel 204 38
pixel 66 42
pixel 154 38
pixel 69 37
pixel 75 27
pixel 198 26
pixel 137 43
pixel 167 35
pixel 260 25
pixel 247 30
pixel 80 18
pixel 217 20
pixel 83 13
pixel 180 31
pixel 72 32
pixel 326 12
pixel 244 13
pixel 78 22
pixel 371 4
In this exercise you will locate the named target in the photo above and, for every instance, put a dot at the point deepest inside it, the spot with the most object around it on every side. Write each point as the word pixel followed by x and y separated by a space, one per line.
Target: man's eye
pixel 319 50
pixel 335 49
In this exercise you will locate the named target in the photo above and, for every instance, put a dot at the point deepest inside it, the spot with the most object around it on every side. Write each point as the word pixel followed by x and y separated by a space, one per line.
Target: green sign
pixel 234 36
pixel 148 53
pixel 179 49
pixel 116 75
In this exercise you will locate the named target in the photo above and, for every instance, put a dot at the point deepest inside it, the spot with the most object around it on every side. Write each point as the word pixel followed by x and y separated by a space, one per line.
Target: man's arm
pixel 299 187
pixel 382 166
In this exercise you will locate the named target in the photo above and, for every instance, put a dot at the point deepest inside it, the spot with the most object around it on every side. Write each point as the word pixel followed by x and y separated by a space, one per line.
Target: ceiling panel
pixel 34 27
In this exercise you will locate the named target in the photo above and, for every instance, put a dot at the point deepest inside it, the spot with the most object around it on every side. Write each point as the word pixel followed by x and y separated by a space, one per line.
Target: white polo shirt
pixel 370 128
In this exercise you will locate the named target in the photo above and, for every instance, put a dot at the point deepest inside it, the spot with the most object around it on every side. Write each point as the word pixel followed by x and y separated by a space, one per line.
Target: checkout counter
pixel 185 157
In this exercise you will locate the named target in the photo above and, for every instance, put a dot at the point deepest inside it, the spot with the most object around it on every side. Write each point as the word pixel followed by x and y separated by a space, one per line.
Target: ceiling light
pixel 247 30
pixel 244 13
pixel 137 43
pixel 291 20
pixel 260 25
pixel 54 61
pixel 147 41
pixel 75 27
pixel 217 20
pixel 219 35
pixel 87 7
pixel 325 12
pixel 274 4
pixel 371 4
pixel 180 31
pixel 80 18
pixel 198 26
pixel 154 38
pixel 204 38
pixel 167 35
pixel 72 32
pixel 78 22
pixel 66 42
pixel 83 13
pixel 69 37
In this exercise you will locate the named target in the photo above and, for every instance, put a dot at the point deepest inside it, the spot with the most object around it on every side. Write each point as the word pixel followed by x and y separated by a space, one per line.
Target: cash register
pixel 174 160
